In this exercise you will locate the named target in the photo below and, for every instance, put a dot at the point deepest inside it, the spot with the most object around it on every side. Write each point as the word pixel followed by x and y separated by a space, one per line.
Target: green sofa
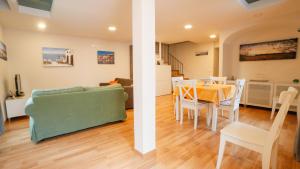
pixel 127 84
pixel 61 111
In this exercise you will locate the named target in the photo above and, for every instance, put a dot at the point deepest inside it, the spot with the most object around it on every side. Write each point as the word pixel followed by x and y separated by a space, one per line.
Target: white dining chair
pixel 205 80
pixel 189 99
pixel 218 80
pixel 176 100
pixel 295 102
pixel 232 105
pixel 174 80
pixel 257 139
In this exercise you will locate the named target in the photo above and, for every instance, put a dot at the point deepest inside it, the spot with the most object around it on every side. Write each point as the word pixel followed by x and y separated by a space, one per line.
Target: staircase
pixel 176 66
pixel 169 59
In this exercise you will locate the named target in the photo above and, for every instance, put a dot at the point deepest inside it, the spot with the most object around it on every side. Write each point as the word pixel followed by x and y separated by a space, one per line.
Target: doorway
pixel 216 62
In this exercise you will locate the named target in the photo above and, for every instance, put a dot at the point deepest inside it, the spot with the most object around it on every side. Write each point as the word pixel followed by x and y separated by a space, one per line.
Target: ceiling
pixel 90 18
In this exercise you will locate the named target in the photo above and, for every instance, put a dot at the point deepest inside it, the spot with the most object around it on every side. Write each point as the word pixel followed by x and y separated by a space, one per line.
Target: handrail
pixel 170 59
pixel 175 63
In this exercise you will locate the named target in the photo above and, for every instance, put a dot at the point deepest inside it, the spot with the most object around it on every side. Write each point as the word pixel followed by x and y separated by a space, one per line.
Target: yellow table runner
pixel 210 92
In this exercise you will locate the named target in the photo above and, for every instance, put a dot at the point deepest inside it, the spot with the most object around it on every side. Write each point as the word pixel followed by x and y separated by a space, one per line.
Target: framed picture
pixel 106 57
pixel 3 52
pixel 201 53
pixel 272 50
pixel 57 57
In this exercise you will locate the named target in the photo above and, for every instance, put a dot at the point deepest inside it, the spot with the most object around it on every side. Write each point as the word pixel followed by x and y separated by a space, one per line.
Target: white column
pixel 143 35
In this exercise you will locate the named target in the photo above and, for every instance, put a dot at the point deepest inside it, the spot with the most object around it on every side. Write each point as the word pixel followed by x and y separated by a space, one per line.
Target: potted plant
pixel 296 81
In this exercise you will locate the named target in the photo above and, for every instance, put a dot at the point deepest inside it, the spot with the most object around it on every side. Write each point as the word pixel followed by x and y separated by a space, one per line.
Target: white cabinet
pixel 256 93
pixel 163 80
pixel 279 87
pixel 15 107
pixel 259 94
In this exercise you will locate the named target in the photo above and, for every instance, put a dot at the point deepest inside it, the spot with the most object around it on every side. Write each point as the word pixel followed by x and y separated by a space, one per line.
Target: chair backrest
pixel 293 91
pixel 236 98
pixel 286 97
pixel 290 89
pixel 175 80
pixel 205 80
pixel 187 90
pixel 218 80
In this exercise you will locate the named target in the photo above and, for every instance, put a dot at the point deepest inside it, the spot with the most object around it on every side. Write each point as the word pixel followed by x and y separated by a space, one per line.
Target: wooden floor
pixel 111 146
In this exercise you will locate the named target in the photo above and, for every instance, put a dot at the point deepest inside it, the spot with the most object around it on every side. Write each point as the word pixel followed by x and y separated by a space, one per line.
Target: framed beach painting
pixel 53 57
pixel 272 50
pixel 3 52
pixel 106 57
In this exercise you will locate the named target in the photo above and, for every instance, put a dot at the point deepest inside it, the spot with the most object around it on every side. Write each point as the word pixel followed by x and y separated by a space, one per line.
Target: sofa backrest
pixel 37 92
pixel 103 87
pixel 67 112
pixel 46 92
pixel 79 101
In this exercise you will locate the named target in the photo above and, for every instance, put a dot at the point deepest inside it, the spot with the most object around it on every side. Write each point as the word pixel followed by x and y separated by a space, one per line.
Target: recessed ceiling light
pixel 112 28
pixel 188 26
pixel 212 36
pixel 41 26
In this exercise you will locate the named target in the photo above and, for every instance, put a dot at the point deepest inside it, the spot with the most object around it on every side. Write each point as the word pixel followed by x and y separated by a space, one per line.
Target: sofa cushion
pixel 113 82
pixel 36 93
pixel 124 82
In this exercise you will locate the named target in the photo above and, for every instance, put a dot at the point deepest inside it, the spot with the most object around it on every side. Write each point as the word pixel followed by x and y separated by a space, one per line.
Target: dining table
pixel 212 94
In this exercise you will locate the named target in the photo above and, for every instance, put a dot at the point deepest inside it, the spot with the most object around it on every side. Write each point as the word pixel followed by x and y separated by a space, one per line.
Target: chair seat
pixel 200 104
pixel 245 132
pixel 225 102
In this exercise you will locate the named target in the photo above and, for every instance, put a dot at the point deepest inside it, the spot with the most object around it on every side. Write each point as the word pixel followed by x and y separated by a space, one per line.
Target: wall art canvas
pixel 3 52
pixel 272 50
pixel 57 57
pixel 201 53
pixel 106 57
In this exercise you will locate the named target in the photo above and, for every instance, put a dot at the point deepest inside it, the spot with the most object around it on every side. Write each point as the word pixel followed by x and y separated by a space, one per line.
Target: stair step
pixel 181 75
pixel 175 73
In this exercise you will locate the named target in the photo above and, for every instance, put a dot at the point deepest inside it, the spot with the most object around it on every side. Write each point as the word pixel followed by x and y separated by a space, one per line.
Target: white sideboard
pixel 261 93
pixel 15 107
pixel 279 87
pixel 163 80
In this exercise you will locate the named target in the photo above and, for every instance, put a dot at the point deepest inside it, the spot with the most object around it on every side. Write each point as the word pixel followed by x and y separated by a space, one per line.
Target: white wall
pixel 25 58
pixel 163 80
pixel 3 79
pixel 194 66
pixel 274 70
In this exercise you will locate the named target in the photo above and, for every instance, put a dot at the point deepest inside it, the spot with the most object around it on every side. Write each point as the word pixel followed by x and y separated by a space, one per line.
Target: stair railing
pixel 175 63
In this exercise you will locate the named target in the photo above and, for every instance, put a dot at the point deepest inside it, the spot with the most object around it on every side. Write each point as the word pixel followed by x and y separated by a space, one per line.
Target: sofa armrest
pixel 29 107
pixel 129 91
pixel 125 96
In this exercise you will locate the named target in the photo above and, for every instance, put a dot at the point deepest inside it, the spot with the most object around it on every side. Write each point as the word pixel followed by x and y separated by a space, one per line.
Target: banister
pixel 175 63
